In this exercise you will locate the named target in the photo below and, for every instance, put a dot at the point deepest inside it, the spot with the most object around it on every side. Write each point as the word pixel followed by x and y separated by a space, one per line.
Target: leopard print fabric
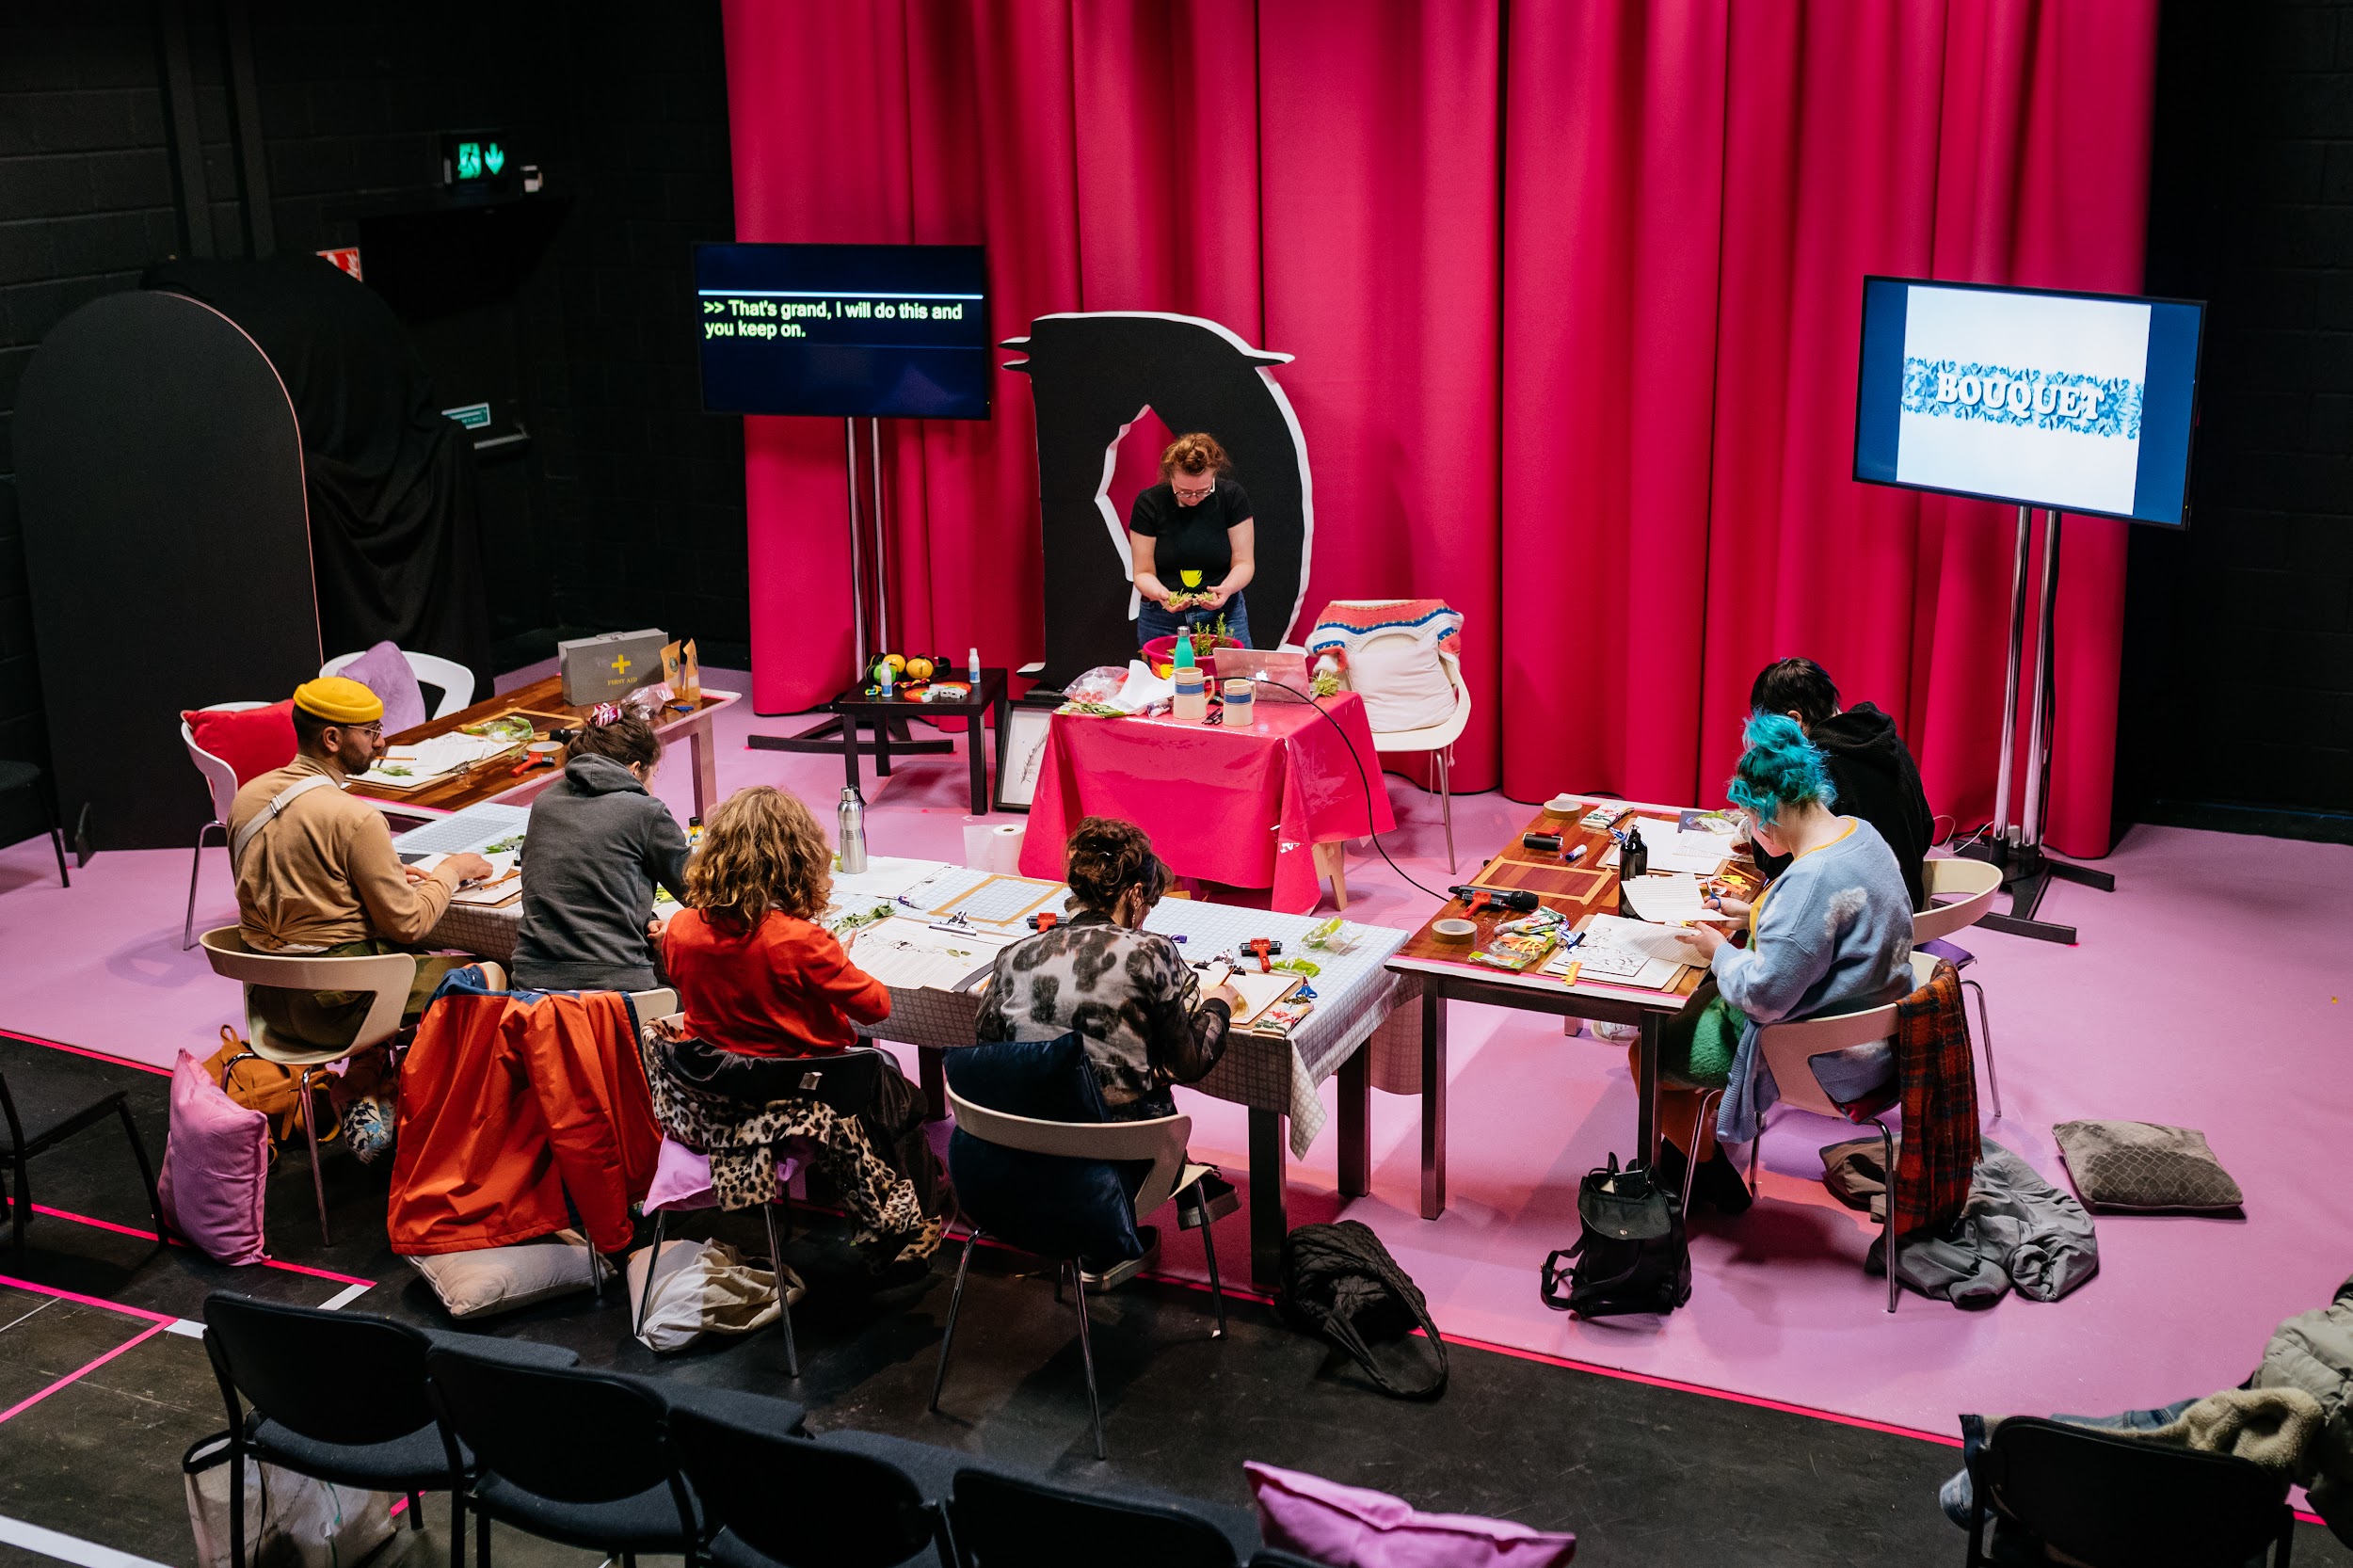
pixel 1128 994
pixel 741 1141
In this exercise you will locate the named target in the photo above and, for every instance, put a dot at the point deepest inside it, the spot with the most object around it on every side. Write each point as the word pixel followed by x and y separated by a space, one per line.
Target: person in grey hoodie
pixel 596 847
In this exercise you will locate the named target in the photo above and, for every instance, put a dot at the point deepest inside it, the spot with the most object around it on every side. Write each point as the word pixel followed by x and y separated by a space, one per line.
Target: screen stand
pixel 2026 868
pixel 869 555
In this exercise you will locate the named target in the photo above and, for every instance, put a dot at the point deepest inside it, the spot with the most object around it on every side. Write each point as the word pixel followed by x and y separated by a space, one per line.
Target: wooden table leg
pixel 1270 1218
pixel 932 1064
pixel 1332 863
pixel 1356 1122
pixel 703 749
pixel 849 750
pixel 1433 1101
pixel 1646 1091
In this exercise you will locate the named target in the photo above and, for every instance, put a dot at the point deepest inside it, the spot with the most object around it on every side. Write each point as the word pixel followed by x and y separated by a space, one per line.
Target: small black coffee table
pixel 887 717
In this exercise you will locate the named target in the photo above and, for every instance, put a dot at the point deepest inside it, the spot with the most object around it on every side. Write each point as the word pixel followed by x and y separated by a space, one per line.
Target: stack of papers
pixel 410 767
pixel 1626 953
pixel 503 886
pixel 1674 898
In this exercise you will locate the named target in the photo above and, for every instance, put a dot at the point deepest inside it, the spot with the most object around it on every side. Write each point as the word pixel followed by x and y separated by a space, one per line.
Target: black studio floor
pixel 1643 1475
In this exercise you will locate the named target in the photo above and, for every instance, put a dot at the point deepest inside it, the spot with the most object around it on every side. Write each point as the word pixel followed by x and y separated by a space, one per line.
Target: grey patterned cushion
pixel 2141 1165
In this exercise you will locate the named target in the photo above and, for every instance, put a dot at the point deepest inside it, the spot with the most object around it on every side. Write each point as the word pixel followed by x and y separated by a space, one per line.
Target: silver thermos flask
pixel 853 830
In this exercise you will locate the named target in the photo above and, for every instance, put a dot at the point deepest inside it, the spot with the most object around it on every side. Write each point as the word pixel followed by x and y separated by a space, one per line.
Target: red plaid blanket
pixel 1940 1097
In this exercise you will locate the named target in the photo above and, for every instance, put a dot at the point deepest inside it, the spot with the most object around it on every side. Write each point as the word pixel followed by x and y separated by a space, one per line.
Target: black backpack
pixel 1631 1254
pixel 1340 1282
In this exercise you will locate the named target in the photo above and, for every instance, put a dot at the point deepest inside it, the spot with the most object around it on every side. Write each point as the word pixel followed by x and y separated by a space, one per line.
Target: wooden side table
pixel 856 708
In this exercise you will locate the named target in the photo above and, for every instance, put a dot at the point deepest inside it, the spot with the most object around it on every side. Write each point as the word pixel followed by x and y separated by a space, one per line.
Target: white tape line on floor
pixel 67 1548
pixel 345 1296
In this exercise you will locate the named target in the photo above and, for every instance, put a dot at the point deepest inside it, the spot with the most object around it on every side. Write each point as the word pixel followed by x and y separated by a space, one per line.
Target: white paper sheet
pixel 428 760
pixel 1669 900
pixel 910 955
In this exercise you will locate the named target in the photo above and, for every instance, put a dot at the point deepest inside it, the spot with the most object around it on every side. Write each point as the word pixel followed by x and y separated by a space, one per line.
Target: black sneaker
pixel 1213 1195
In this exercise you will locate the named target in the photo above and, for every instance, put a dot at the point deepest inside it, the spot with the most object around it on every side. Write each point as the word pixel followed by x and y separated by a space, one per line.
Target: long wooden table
pixel 543 703
pixel 1445 973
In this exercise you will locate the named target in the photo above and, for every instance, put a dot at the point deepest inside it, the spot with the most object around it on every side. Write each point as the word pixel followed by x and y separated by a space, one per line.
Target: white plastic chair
pixel 1785 1050
pixel 221 780
pixel 1437 739
pixel 1161 1140
pixel 453 679
pixel 1972 886
pixel 385 977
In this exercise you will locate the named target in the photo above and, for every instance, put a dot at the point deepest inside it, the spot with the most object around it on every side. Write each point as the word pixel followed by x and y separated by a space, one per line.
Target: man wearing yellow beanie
pixel 316 871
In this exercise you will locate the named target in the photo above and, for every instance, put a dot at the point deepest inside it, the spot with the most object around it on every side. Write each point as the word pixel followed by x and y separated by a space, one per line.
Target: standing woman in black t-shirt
pixel 1193 544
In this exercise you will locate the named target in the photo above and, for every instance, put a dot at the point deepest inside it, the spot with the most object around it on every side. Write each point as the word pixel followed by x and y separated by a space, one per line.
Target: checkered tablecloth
pixel 1355 994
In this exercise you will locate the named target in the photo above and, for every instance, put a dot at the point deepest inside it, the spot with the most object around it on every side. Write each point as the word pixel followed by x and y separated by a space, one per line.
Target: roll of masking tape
pixel 1454 930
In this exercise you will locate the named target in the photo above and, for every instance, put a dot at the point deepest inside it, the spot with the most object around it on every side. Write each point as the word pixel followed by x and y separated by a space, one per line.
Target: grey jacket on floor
pixel 2017 1229
pixel 2313 1351
pixel 596 846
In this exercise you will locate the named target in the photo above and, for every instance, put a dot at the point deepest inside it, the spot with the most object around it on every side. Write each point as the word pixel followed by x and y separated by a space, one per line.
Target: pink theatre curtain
pixel 1574 294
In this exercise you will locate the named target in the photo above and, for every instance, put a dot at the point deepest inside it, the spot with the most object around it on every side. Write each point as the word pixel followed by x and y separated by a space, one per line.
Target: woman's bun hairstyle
pixel 1781 767
pixel 1107 856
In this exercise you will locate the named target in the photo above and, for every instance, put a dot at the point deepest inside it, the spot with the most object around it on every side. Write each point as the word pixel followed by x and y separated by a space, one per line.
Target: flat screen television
pixel 850 331
pixel 2077 402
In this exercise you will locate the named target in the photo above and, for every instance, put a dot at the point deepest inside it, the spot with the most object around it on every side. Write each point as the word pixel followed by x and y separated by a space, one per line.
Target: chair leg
pixel 56 838
pixel 147 1172
pixel 236 1502
pixel 1985 1033
pixel 1692 1155
pixel 784 1305
pixel 1086 1357
pixel 309 1107
pixel 416 1512
pixel 1217 1286
pixel 653 1261
pixel 954 1300
pixel 457 1525
pixel 20 1202
pixel 1445 803
pixel 482 1538
pixel 1887 1225
pixel 195 865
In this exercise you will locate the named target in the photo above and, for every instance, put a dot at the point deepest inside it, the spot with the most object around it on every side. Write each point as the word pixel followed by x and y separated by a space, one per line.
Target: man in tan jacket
pixel 316 871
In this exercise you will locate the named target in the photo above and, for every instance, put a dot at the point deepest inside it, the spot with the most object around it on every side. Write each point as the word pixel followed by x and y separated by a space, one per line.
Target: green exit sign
pixel 474 160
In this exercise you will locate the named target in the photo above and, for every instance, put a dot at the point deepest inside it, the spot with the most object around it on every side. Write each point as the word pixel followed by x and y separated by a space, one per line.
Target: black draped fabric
pixel 394 537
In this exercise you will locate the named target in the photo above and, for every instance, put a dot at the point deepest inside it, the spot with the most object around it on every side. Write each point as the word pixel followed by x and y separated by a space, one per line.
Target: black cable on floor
pixel 1362 780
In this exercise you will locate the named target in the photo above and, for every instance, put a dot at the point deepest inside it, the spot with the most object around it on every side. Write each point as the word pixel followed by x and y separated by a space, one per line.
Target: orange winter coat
pixel 509 1102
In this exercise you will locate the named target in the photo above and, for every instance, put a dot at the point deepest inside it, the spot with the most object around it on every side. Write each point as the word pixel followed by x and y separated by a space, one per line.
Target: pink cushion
pixel 215 1168
pixel 682 1179
pixel 1350 1528
pixel 251 741
pixel 385 671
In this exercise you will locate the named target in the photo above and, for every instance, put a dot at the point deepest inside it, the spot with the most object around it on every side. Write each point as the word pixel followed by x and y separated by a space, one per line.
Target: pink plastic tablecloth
pixel 1242 806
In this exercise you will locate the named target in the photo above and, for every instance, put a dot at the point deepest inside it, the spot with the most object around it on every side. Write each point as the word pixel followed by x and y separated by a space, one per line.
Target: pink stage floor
pixel 2214 990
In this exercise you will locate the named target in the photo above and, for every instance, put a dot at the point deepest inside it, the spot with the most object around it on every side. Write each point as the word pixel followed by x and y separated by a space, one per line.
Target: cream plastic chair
pixel 1785 1050
pixel 386 978
pixel 454 679
pixel 1160 1140
pixel 221 780
pixel 1972 886
pixel 1436 739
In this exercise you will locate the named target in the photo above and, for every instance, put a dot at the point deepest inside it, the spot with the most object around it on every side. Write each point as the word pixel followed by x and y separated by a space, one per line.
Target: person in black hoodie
pixel 595 848
pixel 1874 774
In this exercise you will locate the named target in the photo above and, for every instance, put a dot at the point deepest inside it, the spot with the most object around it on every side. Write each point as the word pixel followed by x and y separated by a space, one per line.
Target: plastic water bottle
pixel 853 830
pixel 973 669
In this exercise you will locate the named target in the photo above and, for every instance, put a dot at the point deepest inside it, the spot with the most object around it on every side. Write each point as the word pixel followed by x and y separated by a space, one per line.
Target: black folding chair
pixel 572 1456
pixel 1004 1522
pixel 2117 1501
pixel 42 1110
pixel 775 1502
pixel 27 776
pixel 337 1396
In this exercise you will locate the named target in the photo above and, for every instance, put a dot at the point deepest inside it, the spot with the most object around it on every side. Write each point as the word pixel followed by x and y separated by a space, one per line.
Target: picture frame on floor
pixel 1021 753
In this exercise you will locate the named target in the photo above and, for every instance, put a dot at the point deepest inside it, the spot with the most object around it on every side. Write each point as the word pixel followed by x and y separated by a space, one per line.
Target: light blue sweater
pixel 1833 935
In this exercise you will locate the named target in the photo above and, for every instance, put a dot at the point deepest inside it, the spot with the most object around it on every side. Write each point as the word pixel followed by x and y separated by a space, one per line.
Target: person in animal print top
pixel 1129 996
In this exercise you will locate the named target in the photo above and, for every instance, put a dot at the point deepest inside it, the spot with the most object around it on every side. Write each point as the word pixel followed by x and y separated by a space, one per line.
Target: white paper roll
pixel 994 847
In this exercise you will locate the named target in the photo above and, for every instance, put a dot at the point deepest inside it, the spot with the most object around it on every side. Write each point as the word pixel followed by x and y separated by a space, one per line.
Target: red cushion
pixel 251 741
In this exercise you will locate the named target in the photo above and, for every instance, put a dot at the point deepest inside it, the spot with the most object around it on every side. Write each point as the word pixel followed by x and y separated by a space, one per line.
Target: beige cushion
pixel 699 1288
pixel 491 1280
pixel 1404 683
pixel 2144 1165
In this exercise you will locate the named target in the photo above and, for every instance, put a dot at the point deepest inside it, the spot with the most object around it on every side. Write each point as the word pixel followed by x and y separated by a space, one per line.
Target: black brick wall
pixel 2238 686
pixel 628 510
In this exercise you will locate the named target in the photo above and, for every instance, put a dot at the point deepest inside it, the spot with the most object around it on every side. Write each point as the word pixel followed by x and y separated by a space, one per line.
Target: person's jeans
pixel 1152 621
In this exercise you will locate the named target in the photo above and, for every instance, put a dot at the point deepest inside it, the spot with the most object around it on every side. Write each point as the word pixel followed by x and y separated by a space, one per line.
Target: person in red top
pixel 756 973
pixel 760 984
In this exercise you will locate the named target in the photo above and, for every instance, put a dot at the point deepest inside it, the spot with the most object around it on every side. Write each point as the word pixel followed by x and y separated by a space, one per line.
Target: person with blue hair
pixel 1832 934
